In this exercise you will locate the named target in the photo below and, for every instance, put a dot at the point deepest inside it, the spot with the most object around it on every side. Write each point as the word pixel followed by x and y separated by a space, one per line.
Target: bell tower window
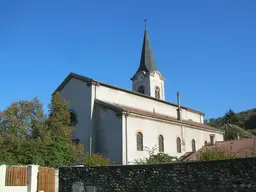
pixel 157 92
pixel 141 89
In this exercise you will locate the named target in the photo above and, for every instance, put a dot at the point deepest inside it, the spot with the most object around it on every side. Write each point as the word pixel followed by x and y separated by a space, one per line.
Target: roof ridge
pixel 160 116
pixel 90 80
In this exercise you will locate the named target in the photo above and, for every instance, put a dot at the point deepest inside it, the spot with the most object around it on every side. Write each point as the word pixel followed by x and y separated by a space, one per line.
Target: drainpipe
pixel 126 143
pixel 179 116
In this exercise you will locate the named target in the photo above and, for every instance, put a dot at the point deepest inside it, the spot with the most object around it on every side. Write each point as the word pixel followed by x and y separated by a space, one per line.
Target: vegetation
pixel 95 160
pixel 215 154
pixel 156 158
pixel 29 136
pixel 241 124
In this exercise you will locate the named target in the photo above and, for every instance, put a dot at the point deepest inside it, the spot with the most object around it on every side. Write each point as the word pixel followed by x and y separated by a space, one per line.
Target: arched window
pixel 73 119
pixel 161 143
pixel 157 92
pixel 193 145
pixel 76 141
pixel 139 141
pixel 141 89
pixel 205 143
pixel 178 145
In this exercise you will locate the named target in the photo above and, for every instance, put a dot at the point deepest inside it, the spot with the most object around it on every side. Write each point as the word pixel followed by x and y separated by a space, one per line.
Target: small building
pixel 240 148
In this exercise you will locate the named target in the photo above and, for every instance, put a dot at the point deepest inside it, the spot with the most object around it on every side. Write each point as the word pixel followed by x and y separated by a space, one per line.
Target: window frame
pixel 139 140
pixel 178 143
pixel 161 143
pixel 193 143
pixel 74 121
pixel 141 89
pixel 157 92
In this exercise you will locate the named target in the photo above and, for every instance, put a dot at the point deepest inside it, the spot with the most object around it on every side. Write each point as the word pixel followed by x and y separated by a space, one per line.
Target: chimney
pixel 212 139
pixel 179 109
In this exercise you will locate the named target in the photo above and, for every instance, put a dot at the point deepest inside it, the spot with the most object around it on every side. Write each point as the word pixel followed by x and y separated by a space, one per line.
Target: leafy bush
pixel 215 153
pixel 156 158
pixel 96 160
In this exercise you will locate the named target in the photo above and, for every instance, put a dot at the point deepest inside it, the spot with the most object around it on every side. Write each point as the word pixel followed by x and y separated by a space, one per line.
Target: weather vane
pixel 145 21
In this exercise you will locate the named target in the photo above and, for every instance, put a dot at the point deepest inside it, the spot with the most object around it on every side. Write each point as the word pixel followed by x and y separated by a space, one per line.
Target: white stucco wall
pixel 15 189
pixel 108 131
pixel 200 136
pixel 108 134
pixel 120 97
pixel 79 96
pixel 151 129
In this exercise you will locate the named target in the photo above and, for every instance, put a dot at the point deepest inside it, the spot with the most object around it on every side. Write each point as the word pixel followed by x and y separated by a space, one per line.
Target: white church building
pixel 121 124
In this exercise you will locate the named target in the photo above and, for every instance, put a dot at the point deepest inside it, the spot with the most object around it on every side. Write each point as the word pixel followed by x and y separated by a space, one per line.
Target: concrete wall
pixel 200 136
pixel 236 175
pixel 31 183
pixel 108 133
pixel 79 96
pixel 151 129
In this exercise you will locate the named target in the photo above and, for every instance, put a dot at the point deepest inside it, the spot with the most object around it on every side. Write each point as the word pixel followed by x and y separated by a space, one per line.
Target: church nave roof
pixel 121 108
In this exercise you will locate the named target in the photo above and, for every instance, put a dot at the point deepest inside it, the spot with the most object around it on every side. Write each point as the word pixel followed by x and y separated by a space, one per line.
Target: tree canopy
pixel 28 135
pixel 241 124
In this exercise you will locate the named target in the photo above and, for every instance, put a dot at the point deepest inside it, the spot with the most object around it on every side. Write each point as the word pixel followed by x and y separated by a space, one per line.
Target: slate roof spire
pixel 147 61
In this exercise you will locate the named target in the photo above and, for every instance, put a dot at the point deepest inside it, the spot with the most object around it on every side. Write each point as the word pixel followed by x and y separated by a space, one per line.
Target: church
pixel 123 124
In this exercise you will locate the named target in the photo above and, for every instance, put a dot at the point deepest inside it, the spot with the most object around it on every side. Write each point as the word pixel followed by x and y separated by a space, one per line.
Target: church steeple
pixel 147 61
pixel 147 79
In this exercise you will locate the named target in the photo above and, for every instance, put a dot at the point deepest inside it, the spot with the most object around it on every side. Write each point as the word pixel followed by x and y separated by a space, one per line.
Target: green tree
pixel 215 154
pixel 17 126
pixel 156 158
pixel 28 136
pixel 61 150
pixel 250 123
pixel 233 131
pixel 252 131
pixel 245 119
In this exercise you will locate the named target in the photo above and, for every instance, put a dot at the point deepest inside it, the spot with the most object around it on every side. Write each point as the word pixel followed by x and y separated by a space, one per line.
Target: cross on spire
pixel 145 21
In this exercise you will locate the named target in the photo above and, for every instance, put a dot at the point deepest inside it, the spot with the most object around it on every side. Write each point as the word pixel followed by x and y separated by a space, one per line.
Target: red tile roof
pixel 240 148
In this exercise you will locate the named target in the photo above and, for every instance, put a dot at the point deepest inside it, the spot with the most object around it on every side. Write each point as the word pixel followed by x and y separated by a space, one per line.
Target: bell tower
pixel 147 79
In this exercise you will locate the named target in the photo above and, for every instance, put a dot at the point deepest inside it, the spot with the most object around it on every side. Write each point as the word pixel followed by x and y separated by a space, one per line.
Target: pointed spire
pixel 147 62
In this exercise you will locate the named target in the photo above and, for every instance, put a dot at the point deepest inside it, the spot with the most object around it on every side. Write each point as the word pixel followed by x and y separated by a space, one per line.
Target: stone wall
pixel 220 176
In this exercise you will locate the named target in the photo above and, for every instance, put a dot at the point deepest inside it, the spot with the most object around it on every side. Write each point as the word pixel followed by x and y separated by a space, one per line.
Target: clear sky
pixel 204 49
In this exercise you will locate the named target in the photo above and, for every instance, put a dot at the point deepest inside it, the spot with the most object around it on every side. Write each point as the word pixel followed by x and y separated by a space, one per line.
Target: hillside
pixel 245 120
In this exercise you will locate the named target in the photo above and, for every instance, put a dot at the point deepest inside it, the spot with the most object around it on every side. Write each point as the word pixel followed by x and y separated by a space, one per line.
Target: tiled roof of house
pixel 119 108
pixel 239 147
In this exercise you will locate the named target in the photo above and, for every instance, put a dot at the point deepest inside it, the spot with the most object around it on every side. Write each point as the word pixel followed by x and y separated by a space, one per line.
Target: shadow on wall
pixel 223 175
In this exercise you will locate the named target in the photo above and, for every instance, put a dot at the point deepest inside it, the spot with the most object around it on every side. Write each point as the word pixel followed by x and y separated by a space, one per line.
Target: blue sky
pixel 204 49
